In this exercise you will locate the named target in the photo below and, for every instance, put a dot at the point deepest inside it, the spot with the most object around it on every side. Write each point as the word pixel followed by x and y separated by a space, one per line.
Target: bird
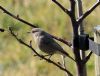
pixel 47 44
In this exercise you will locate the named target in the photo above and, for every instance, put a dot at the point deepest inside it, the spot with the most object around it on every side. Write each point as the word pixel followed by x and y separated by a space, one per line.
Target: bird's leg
pixel 37 55
pixel 46 55
pixel 43 55
pixel 50 56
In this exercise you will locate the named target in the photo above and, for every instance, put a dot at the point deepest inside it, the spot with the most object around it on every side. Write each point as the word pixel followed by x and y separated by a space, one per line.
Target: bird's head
pixel 37 31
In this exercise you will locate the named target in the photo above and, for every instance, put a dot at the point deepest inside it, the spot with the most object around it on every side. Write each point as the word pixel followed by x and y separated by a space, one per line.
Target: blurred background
pixel 18 60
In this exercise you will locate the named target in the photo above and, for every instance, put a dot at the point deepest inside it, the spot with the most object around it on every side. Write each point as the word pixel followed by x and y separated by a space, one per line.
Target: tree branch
pixel 41 56
pixel 87 58
pixel 71 12
pixel 88 12
pixel 62 40
pixel 25 22
pixel 62 7
pixel 16 17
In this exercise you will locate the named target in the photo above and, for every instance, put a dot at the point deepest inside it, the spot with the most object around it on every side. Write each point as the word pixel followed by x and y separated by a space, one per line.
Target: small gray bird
pixel 46 43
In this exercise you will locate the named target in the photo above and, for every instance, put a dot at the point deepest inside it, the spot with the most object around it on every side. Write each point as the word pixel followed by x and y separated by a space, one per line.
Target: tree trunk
pixel 80 13
pixel 76 50
pixel 79 64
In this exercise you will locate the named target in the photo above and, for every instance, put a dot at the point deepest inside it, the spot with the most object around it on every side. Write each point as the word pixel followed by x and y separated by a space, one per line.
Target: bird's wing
pixel 52 43
pixel 48 41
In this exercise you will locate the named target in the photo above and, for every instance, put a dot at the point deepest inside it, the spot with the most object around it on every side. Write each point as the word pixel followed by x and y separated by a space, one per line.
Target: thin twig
pixel 62 7
pixel 16 17
pixel 88 12
pixel 25 22
pixel 62 40
pixel 41 56
pixel 70 12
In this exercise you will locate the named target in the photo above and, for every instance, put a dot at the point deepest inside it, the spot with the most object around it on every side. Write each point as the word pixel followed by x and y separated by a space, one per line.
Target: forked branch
pixel 88 12
pixel 70 12
pixel 87 58
pixel 62 7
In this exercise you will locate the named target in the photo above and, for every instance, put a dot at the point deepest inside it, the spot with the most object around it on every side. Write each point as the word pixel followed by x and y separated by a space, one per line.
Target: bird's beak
pixel 28 32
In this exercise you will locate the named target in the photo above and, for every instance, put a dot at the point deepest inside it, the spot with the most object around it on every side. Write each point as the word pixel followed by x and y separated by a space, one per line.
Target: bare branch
pixel 87 58
pixel 71 12
pixel 25 22
pixel 62 40
pixel 88 12
pixel 62 7
pixel 41 56
pixel 16 17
